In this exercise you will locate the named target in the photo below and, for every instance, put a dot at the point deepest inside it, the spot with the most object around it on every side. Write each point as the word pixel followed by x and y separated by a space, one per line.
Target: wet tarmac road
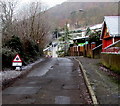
pixel 54 81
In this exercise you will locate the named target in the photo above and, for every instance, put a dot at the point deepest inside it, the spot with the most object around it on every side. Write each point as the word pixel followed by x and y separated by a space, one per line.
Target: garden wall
pixel 111 61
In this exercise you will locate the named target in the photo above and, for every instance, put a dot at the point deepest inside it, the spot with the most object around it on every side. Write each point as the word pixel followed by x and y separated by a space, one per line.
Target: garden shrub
pixel 31 49
pixel 7 57
pixel 15 44
pixel 27 49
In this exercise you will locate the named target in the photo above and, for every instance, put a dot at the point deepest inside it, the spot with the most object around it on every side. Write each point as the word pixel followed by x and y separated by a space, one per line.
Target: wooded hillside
pixel 92 13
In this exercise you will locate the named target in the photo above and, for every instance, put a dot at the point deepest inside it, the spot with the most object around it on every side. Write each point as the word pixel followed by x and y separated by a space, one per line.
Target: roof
pixel 96 26
pixel 80 38
pixel 79 29
pixel 112 23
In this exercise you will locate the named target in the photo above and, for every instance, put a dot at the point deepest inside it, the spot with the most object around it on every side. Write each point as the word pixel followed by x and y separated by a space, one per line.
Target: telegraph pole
pixel 66 38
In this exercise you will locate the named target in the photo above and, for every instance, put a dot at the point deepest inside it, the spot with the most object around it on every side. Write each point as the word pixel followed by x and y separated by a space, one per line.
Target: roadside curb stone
pixel 105 87
pixel 92 94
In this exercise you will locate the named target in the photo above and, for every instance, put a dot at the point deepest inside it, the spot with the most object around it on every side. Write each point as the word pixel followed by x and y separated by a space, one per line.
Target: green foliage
pixel 7 57
pixel 65 41
pixel 62 38
pixel 27 49
pixel 88 31
pixel 15 44
pixel 30 48
pixel 94 37
pixel 60 53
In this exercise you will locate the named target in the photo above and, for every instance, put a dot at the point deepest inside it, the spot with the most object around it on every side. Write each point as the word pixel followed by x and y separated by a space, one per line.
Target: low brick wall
pixel 111 61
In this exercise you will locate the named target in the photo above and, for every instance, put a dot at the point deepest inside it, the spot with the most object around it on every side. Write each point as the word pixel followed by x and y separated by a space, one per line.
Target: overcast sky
pixel 50 3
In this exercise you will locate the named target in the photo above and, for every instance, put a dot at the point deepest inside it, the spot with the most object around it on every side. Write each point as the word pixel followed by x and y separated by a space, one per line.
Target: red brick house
pixel 110 32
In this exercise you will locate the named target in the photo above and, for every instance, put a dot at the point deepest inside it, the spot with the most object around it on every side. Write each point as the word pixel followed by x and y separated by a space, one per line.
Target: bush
pixel 31 49
pixel 7 57
pixel 15 44
pixel 95 37
pixel 27 49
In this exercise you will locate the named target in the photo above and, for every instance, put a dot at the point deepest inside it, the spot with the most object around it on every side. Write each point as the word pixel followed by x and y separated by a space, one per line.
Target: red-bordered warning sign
pixel 17 58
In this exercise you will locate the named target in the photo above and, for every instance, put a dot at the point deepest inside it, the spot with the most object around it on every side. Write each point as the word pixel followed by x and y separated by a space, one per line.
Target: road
pixel 53 81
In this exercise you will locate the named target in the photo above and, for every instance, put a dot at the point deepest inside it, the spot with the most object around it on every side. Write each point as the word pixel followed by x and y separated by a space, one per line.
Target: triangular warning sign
pixel 17 59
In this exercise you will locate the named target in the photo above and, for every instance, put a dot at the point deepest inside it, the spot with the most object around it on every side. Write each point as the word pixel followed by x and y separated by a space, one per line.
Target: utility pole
pixel 66 38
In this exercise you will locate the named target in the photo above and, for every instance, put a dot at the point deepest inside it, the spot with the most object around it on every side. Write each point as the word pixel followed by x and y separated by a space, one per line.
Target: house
pixel 81 46
pixel 110 32
pixel 96 27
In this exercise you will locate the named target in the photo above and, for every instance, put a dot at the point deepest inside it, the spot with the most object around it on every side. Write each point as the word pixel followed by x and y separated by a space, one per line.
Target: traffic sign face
pixel 17 61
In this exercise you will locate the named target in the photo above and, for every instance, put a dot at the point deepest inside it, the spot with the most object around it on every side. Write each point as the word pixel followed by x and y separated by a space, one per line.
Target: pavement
pixel 106 89
pixel 52 81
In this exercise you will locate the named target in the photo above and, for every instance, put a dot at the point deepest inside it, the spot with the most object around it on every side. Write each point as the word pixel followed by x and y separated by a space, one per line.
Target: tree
pixel 88 32
pixel 95 37
pixel 33 24
pixel 65 40
pixel 7 13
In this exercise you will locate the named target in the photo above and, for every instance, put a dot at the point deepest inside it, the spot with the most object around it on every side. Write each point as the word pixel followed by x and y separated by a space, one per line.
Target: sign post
pixel 17 62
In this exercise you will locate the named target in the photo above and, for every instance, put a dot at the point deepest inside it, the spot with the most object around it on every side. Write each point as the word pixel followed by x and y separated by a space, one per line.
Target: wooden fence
pixel 85 50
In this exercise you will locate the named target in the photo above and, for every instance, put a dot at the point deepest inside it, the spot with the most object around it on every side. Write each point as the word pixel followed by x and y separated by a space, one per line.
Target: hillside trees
pixel 94 13
pixel 24 31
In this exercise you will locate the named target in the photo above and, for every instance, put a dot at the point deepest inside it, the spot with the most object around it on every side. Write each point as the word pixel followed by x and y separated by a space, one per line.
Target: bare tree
pixel 37 23
pixel 30 24
pixel 7 12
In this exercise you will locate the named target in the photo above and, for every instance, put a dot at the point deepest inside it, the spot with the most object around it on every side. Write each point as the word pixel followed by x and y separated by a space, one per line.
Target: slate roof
pixel 113 25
